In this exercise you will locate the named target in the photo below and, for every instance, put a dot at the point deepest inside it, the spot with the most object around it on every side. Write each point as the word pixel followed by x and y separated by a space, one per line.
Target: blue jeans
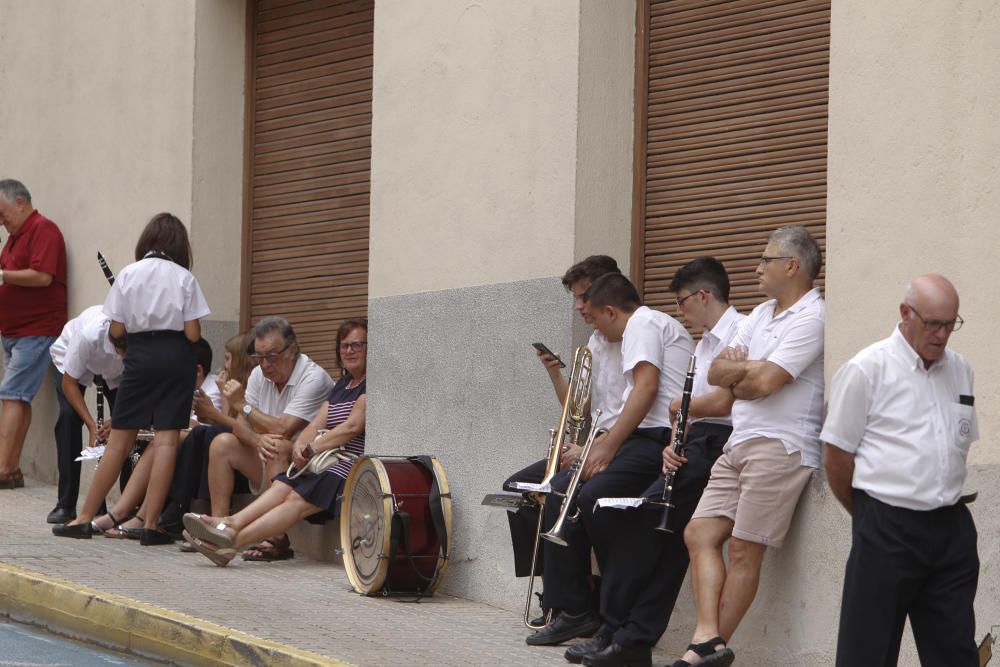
pixel 25 361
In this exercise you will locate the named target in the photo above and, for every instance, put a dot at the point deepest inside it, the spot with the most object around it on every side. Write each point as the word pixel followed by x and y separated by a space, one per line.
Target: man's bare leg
pixel 226 455
pixel 705 538
pixel 14 422
pixel 742 579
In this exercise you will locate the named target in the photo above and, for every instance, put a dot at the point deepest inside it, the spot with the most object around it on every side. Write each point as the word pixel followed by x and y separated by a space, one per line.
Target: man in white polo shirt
pixel 902 418
pixel 282 396
pixel 81 352
pixel 774 368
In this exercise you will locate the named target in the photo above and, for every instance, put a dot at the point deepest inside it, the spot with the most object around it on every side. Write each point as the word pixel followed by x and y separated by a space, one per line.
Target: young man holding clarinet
pixel 645 567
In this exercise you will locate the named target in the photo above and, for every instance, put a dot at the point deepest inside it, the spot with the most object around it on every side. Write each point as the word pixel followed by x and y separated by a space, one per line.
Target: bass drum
pixel 395 527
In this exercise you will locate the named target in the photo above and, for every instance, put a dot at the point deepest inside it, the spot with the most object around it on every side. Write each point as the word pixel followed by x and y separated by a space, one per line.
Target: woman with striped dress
pixel 289 500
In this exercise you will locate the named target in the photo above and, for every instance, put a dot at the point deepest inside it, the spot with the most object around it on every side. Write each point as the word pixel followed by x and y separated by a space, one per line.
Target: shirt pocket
pixel 963 426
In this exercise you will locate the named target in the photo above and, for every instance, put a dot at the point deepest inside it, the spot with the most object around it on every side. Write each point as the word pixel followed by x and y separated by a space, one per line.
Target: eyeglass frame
pixel 680 300
pixel 930 326
pixel 271 357
pixel 350 347
pixel 764 259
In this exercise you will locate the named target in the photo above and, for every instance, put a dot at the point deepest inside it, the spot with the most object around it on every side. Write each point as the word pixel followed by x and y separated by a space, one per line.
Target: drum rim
pixel 378 579
pixel 442 482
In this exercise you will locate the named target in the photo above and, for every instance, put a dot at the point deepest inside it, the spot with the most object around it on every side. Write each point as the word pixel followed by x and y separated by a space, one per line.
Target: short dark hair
pixel 345 329
pixel 592 268
pixel 165 235
pixel 203 355
pixel 269 325
pixel 704 273
pixel 613 289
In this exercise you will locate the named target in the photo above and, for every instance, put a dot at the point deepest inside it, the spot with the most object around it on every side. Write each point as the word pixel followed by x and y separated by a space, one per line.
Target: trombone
pixel 571 423
pixel 569 499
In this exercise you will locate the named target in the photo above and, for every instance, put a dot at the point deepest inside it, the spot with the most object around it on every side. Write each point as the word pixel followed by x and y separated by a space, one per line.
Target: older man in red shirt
pixel 32 313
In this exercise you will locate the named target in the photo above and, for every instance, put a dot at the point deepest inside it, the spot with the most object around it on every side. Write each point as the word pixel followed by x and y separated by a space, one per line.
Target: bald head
pixel 929 311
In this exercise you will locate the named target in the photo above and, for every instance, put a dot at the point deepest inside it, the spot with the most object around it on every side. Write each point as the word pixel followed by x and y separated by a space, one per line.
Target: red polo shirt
pixel 34 311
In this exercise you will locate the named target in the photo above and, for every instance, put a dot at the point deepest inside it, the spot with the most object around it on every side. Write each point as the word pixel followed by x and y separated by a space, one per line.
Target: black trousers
pixel 524 522
pixel 634 467
pixel 69 443
pixel 644 569
pixel 190 473
pixel 903 563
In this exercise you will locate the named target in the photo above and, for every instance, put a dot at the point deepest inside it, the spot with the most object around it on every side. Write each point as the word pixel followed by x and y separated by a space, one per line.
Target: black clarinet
pixel 104 267
pixel 677 442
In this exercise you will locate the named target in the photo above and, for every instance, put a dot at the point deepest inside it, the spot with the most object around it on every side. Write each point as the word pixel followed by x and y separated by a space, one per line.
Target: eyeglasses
pixel 680 300
pixel 353 347
pixel 930 326
pixel 270 358
pixel 764 259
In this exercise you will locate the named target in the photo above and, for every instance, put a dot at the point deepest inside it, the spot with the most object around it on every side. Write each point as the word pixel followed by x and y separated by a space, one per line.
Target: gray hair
pixel 12 190
pixel 279 325
pixel 797 242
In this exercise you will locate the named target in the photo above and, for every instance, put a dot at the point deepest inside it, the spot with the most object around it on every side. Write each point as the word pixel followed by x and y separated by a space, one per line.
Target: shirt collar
pixel 724 325
pixel 34 217
pixel 298 371
pixel 910 355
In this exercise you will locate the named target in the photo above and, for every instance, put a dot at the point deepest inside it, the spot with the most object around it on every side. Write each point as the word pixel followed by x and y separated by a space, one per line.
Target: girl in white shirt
pixel 155 305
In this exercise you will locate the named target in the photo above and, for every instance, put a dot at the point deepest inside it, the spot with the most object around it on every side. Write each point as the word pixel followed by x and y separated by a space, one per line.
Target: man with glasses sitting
pixel 902 418
pixel 282 396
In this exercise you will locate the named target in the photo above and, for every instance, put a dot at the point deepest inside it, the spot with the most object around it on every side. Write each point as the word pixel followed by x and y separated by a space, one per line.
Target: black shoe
pixel 616 655
pixel 80 531
pixel 152 538
pixel 566 626
pixel 60 515
pixel 577 651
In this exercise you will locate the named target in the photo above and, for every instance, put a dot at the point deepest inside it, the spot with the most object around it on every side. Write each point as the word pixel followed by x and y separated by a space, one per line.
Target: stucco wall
pixel 101 109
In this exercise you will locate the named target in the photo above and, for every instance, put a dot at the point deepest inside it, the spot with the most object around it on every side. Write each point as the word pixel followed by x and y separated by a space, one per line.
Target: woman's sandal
pixel 221 556
pixel 121 532
pixel 709 656
pixel 111 531
pixel 209 529
pixel 270 550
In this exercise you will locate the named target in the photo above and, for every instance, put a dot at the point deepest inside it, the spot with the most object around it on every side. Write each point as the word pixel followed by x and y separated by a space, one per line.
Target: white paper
pixel 528 486
pixel 620 503
pixel 89 453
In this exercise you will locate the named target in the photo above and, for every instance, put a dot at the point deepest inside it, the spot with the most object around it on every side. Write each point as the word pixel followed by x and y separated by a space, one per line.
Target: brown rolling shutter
pixel 731 119
pixel 308 165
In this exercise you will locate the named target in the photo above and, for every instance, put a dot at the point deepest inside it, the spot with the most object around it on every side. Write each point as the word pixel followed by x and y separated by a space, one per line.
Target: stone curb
pixel 144 629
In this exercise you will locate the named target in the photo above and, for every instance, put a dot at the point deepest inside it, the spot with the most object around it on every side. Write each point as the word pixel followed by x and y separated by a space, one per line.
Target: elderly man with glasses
pixel 901 420
pixel 282 396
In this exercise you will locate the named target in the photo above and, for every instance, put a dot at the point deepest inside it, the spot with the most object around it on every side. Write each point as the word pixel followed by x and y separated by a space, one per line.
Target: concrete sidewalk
pixel 158 600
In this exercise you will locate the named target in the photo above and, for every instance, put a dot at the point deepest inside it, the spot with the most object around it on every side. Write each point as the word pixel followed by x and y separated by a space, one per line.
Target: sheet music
pixel 89 453
pixel 620 503
pixel 528 486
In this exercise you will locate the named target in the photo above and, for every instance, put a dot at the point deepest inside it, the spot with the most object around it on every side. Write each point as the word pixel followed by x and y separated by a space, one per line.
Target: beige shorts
pixel 756 485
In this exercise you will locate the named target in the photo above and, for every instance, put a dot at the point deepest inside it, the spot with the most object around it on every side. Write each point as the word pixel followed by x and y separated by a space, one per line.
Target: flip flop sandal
pixel 270 551
pixel 220 556
pixel 709 656
pixel 209 529
pixel 12 480
pixel 120 532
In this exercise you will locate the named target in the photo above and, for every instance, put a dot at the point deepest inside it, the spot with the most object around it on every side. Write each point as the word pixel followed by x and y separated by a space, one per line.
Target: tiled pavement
pixel 300 603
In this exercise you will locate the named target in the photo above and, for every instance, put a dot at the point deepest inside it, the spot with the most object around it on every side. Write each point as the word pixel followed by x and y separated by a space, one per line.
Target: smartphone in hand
pixel 541 347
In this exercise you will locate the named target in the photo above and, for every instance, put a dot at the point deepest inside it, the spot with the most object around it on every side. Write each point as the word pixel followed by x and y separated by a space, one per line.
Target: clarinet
pixel 677 442
pixel 104 267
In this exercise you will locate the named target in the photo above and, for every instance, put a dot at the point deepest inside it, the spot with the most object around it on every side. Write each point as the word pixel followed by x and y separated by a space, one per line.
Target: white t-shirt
pixel 794 341
pixel 211 389
pixel 306 389
pixel 607 387
pixel 83 349
pixel 155 294
pixel 910 428
pixel 659 339
pixel 713 342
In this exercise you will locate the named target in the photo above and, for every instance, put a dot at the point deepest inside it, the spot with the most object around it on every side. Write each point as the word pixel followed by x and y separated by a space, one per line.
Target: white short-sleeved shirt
pixel 713 342
pixel 910 428
pixel 306 389
pixel 608 385
pixel 211 389
pixel 155 294
pixel 83 349
pixel 659 339
pixel 794 341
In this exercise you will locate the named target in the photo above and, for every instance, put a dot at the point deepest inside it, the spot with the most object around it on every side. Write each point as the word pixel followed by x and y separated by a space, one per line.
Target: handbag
pixel 320 462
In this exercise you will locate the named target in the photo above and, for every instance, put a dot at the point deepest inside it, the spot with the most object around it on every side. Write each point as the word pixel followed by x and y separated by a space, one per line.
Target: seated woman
pixel 289 500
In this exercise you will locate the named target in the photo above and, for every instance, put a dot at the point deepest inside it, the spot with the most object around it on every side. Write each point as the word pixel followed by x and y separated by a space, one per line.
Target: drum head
pixel 365 534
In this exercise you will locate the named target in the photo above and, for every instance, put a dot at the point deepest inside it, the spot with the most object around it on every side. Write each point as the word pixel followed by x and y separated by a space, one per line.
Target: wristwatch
pixel 247 409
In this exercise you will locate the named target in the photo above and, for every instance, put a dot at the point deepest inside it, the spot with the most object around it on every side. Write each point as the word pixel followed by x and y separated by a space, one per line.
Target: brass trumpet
pixel 571 423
